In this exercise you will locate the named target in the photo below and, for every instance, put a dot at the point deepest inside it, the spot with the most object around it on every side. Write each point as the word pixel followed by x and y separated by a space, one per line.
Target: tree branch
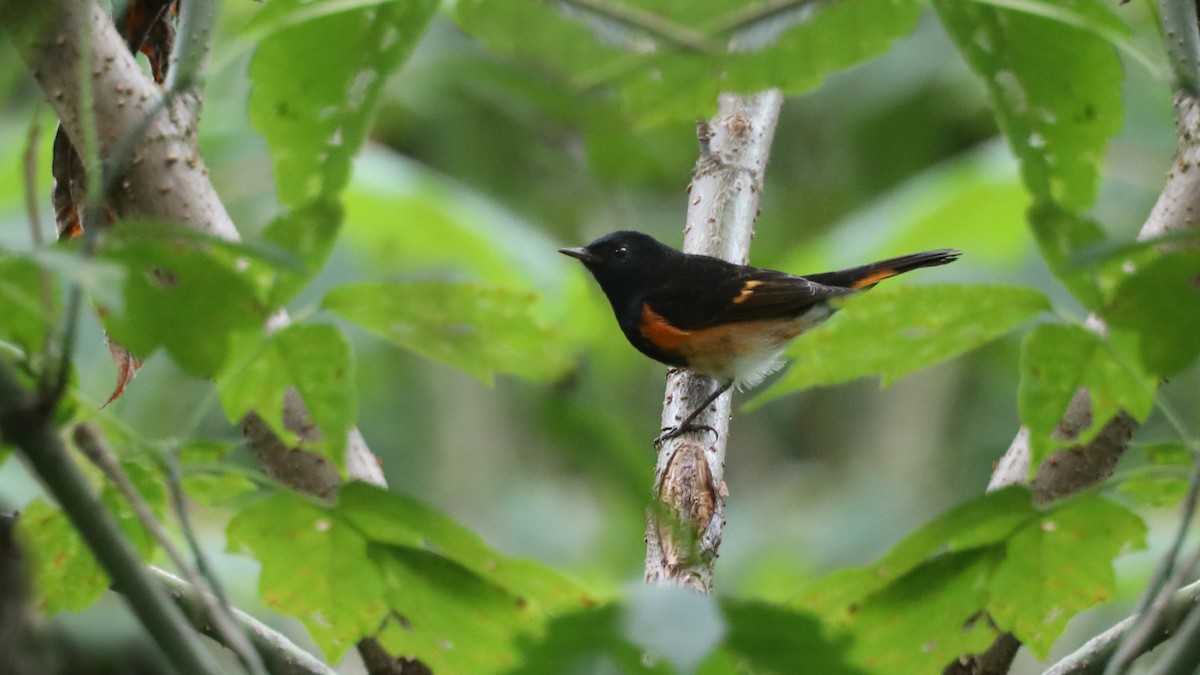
pixel 684 533
pixel 1082 466
pixel 165 178
pixel 280 655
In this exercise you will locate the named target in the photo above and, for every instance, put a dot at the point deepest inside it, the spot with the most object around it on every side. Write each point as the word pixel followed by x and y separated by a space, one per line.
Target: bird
pixel 716 318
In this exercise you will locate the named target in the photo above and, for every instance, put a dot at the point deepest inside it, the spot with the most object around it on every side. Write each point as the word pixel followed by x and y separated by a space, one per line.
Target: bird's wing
pixel 742 294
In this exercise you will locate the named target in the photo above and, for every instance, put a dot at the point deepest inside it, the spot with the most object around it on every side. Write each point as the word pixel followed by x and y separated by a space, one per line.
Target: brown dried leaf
pixel 148 27
pixel 69 186
pixel 127 368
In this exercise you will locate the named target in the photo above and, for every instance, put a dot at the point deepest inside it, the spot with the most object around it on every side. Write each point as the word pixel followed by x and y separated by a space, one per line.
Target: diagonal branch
pixel 1081 466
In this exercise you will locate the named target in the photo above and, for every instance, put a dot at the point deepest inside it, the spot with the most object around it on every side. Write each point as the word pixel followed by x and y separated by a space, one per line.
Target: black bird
pixel 716 318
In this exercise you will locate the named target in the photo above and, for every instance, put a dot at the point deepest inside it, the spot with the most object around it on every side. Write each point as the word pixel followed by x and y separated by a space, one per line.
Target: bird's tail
pixel 868 275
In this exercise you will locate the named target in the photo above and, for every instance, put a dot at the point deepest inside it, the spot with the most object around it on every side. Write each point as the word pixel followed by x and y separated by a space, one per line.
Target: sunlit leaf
pixel 313 358
pixel 1056 361
pixel 317 81
pixel 483 330
pixel 892 331
pixel 314 568
pixel 1161 303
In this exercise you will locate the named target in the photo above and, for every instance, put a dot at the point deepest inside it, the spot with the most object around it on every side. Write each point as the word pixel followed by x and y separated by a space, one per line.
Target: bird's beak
pixel 580 253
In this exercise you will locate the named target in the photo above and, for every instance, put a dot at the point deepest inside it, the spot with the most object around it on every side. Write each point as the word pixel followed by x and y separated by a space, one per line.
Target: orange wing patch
pixel 874 278
pixel 747 291
pixel 660 332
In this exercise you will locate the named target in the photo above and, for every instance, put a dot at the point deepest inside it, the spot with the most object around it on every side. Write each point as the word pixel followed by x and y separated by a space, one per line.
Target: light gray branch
pixel 684 533
pixel 281 655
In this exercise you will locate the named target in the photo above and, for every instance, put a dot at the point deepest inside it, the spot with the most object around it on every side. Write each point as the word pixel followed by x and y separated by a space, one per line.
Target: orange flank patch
pixel 873 278
pixel 658 331
pixel 747 291
pixel 721 351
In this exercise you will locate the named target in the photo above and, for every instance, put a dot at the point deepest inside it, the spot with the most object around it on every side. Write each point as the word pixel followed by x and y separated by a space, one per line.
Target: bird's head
pixel 625 263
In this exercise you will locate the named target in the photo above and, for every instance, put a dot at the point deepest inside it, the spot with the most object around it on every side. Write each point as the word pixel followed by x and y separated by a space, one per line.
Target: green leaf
pixel 669 61
pixel 923 603
pixel 207 479
pixel 313 358
pixel 1165 482
pixel 314 568
pixel 1059 565
pixel 393 519
pixel 24 323
pixel 314 110
pixel 64 570
pixel 892 331
pixel 584 642
pixel 928 617
pixel 309 232
pixel 454 620
pixel 483 330
pixel 770 638
pixel 1161 303
pixel 1057 360
pixel 186 295
pixel 1057 120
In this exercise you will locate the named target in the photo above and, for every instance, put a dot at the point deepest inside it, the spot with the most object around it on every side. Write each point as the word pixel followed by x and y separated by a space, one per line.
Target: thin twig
pixel 91 443
pixel 1094 655
pixel 27 424
pixel 281 655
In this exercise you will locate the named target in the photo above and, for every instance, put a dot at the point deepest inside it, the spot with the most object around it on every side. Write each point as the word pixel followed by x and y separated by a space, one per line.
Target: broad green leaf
pixel 1057 120
pixel 483 330
pixel 24 321
pixel 454 621
pixel 892 331
pixel 929 617
pixel 389 518
pixel 317 81
pixel 313 358
pixel 309 233
pixel 589 641
pixel 185 295
pixel 982 522
pixel 1030 570
pixel 1059 565
pixel 1056 361
pixel 1161 302
pixel 314 568
pixel 770 638
pixel 670 60
pixel 65 573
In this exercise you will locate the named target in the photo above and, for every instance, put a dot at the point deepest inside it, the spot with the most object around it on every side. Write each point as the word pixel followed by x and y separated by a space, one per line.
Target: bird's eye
pixel 621 252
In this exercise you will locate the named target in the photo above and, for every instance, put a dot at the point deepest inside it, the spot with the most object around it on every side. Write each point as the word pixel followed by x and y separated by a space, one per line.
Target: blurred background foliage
pixel 481 162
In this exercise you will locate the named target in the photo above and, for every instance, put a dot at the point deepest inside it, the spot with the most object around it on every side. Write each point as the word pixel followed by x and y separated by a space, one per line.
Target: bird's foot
pixel 671 432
